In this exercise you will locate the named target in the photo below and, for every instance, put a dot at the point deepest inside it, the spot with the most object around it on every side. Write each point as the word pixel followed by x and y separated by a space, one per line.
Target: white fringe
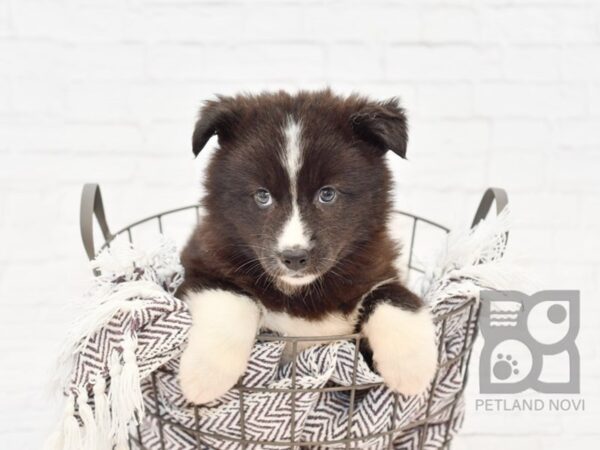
pixel 131 391
pixel 87 417
pixel 71 431
pixel 125 392
pixel 103 422
pixel 127 297
pixel 115 368
pixel 108 428
pixel 478 254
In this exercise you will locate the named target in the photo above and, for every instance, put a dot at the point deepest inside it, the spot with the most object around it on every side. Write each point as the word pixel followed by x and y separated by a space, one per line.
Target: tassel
pixel 103 424
pixel 130 378
pixel 71 431
pixel 87 417
pixel 125 391
pixel 119 418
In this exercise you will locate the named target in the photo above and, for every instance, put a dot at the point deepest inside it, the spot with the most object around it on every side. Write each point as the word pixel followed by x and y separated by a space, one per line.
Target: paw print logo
pixel 524 333
pixel 505 367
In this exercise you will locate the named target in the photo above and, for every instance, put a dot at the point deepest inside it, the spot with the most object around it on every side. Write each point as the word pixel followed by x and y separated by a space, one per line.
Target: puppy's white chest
pixel 287 325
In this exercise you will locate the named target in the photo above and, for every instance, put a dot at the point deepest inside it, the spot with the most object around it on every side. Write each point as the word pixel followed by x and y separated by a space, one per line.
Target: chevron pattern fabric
pixel 318 416
pixel 327 397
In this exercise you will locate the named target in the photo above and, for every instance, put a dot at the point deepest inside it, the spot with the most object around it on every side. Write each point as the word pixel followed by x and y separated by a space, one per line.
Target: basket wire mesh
pixel 92 206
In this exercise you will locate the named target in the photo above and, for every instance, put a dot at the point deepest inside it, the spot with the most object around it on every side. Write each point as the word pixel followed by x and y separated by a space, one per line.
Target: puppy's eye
pixel 263 198
pixel 327 194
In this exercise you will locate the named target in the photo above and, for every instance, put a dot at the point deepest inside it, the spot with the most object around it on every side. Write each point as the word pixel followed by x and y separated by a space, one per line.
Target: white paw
pixel 205 376
pixel 219 343
pixel 404 348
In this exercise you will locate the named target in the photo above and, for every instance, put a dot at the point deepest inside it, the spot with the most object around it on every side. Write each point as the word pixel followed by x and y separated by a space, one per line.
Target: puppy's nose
pixel 295 258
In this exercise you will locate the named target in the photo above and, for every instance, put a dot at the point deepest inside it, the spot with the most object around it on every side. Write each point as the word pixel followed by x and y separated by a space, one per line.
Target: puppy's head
pixel 299 182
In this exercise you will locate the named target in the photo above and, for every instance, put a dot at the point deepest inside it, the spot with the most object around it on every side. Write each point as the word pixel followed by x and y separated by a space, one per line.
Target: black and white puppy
pixel 295 237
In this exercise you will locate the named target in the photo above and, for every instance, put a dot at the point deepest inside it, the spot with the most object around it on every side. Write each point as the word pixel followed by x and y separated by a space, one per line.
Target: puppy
pixel 295 237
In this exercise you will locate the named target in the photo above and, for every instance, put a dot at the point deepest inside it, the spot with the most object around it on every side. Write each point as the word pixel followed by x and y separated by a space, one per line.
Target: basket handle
pixel 491 194
pixel 91 205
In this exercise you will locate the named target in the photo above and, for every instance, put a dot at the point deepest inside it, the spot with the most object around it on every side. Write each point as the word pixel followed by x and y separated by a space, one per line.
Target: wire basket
pixel 444 419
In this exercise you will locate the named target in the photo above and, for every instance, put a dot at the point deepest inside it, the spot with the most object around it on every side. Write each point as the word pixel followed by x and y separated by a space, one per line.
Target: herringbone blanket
pixel 121 365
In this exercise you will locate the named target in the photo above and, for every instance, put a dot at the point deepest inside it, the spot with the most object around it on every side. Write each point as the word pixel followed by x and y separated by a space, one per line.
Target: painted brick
pixel 452 24
pixel 436 63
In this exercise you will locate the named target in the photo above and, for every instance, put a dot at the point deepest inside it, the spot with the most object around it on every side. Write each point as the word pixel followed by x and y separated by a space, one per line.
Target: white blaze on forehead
pixel 292 156
pixel 293 233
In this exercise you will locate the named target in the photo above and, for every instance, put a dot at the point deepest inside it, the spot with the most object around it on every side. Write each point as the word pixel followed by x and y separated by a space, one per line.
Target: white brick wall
pixel 499 92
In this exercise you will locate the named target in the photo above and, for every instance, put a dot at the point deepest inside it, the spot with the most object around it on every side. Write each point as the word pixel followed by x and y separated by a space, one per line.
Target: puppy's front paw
pixel 404 348
pixel 219 343
pixel 205 375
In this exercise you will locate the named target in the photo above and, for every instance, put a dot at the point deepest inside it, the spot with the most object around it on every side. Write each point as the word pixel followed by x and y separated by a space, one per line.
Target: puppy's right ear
pixel 216 117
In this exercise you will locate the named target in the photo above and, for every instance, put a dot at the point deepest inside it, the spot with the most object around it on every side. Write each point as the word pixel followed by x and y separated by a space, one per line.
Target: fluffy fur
pixel 221 338
pixel 297 205
pixel 403 351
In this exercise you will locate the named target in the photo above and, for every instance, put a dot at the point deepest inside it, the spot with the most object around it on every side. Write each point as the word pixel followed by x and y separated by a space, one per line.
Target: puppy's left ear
pixel 383 124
